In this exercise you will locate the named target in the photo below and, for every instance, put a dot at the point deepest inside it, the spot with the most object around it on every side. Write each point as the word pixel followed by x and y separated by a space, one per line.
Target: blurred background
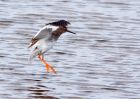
pixel 102 61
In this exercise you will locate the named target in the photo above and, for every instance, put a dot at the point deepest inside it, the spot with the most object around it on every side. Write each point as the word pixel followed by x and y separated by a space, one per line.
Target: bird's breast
pixel 57 33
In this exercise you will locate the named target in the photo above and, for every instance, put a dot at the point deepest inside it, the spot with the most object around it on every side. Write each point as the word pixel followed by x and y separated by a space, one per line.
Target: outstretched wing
pixel 43 33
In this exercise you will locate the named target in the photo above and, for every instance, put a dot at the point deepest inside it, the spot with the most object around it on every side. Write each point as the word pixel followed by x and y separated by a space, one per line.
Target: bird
pixel 45 39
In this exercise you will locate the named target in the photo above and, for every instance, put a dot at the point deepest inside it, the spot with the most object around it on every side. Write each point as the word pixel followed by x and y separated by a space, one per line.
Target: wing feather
pixel 44 32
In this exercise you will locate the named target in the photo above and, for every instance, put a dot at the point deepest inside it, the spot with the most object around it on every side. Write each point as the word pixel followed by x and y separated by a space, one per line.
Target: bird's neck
pixel 56 34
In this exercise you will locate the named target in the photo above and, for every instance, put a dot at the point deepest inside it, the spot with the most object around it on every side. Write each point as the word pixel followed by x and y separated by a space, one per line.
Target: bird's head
pixel 62 23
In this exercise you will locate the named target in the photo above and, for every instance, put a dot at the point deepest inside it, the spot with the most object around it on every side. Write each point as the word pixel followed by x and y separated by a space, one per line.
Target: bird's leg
pixel 48 67
pixel 40 58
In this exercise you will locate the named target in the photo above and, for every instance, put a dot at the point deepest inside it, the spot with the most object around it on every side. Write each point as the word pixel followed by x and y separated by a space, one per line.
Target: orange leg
pixel 48 67
pixel 40 58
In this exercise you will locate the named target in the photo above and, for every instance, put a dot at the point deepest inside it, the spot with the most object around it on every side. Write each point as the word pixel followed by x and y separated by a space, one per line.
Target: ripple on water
pixel 100 61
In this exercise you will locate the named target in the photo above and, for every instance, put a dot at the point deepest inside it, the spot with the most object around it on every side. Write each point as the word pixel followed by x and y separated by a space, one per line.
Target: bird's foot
pixel 49 68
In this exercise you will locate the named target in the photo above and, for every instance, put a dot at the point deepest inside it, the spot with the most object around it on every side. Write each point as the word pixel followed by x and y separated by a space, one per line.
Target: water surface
pixel 102 61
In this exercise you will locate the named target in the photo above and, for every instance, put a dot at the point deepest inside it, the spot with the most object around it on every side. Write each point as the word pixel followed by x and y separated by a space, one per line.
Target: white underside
pixel 44 45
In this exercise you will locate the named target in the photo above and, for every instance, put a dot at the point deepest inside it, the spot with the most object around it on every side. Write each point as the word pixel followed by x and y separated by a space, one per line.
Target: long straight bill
pixel 70 32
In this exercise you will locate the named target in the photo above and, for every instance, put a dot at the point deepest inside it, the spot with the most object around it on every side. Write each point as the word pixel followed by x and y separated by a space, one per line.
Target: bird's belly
pixel 44 45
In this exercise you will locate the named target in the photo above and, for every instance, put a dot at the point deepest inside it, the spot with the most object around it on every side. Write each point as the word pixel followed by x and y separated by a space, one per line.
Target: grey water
pixel 102 61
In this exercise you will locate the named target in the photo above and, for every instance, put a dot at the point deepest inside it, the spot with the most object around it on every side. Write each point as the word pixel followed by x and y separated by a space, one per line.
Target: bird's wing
pixel 43 33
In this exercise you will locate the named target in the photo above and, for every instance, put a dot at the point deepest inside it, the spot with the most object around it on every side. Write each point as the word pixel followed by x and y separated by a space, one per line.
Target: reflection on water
pixel 40 92
pixel 100 62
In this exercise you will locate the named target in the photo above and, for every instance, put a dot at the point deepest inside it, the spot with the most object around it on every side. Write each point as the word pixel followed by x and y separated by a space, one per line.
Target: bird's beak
pixel 70 32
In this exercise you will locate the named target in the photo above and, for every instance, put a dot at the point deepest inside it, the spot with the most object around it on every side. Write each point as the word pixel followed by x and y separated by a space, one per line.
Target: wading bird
pixel 46 38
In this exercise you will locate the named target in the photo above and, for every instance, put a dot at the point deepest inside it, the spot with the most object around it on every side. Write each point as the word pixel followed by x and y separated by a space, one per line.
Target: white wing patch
pixel 46 30
pixel 52 27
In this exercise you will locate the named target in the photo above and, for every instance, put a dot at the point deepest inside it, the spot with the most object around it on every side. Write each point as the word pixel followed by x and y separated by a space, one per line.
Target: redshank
pixel 46 38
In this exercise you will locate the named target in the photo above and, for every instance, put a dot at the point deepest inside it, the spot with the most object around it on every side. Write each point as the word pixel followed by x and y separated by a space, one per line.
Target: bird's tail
pixel 33 55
